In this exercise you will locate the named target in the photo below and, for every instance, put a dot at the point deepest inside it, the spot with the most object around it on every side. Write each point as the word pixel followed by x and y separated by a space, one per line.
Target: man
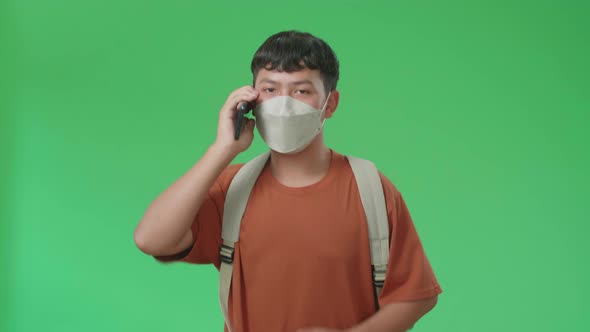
pixel 302 261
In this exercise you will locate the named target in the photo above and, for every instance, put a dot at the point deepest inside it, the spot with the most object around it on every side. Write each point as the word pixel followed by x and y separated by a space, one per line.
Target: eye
pixel 268 90
pixel 303 92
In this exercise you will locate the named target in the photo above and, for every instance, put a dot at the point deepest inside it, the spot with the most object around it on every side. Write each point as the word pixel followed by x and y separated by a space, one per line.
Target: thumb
pixel 247 129
pixel 250 123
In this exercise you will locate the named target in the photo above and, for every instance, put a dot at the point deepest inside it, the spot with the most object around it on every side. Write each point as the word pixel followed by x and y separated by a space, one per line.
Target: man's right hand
pixel 227 116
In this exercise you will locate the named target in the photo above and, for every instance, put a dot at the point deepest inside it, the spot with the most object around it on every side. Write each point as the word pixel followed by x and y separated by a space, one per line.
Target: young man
pixel 302 261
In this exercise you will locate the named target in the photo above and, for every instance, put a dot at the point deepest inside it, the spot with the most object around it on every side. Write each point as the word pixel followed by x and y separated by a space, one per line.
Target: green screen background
pixel 478 111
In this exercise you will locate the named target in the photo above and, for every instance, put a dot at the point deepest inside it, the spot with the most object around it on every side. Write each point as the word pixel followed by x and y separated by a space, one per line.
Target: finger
pixel 232 108
pixel 251 89
pixel 251 95
pixel 246 99
pixel 243 98
pixel 242 106
pixel 243 90
pixel 248 126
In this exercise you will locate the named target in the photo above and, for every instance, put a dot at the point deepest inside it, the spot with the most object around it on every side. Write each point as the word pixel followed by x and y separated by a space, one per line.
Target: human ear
pixel 332 103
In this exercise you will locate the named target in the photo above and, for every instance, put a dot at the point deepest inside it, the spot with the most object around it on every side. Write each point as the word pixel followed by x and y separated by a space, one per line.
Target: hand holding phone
pixel 243 108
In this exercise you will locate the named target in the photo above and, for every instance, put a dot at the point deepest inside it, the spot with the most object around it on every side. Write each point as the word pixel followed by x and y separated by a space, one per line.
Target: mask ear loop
pixel 324 108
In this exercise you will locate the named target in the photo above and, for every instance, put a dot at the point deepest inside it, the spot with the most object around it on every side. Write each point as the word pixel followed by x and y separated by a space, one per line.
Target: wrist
pixel 224 150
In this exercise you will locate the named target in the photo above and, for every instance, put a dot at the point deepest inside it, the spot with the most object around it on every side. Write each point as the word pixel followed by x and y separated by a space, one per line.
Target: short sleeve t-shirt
pixel 303 257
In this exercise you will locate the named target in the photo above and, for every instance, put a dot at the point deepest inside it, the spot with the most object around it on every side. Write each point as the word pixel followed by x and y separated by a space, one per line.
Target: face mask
pixel 288 125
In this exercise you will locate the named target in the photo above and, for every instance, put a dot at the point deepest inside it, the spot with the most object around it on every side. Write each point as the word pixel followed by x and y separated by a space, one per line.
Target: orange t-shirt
pixel 303 255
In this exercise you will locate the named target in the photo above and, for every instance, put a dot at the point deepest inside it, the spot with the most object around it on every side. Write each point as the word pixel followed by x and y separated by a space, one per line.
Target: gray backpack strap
pixel 236 200
pixel 373 199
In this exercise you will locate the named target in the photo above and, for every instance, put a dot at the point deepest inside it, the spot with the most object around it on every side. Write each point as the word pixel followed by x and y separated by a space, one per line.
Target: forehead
pixel 284 77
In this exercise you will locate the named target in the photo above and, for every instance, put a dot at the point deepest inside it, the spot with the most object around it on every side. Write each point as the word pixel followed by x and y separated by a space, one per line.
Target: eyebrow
pixel 302 82
pixel 267 80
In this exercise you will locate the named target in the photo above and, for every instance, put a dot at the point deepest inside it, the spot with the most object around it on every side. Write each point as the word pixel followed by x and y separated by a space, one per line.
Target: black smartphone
pixel 243 109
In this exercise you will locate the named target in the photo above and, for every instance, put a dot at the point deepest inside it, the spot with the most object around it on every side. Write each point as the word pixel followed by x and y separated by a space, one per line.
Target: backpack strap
pixel 233 211
pixel 373 199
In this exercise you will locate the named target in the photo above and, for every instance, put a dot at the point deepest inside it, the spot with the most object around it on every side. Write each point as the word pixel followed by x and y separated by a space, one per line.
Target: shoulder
pixel 390 191
pixel 227 175
pixel 387 184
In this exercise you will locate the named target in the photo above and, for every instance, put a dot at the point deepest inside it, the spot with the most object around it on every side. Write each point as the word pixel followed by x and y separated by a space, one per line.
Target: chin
pixel 299 150
pixel 294 153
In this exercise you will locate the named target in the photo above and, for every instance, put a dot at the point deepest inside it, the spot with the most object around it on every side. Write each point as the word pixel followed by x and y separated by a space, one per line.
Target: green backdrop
pixel 478 111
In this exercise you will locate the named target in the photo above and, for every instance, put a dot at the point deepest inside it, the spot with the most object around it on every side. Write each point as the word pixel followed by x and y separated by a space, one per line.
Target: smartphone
pixel 243 109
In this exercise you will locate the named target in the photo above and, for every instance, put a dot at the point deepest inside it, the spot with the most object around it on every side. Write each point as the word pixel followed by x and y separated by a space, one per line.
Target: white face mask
pixel 288 125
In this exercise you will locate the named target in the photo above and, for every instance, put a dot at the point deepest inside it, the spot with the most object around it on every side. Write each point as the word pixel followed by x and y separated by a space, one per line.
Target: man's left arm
pixel 410 289
pixel 393 317
pixel 396 316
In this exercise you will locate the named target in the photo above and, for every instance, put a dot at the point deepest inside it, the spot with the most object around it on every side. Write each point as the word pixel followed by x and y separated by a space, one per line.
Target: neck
pixel 303 168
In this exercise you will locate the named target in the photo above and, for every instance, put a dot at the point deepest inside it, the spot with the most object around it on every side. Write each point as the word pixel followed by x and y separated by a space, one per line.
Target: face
pixel 304 85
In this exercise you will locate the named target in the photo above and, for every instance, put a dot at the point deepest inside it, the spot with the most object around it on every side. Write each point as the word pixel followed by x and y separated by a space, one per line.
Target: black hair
pixel 291 51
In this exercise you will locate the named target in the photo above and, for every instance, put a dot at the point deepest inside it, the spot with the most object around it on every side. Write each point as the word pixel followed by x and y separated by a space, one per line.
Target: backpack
pixel 372 198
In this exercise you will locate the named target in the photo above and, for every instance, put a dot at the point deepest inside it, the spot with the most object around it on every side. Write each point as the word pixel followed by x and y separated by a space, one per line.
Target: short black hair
pixel 293 50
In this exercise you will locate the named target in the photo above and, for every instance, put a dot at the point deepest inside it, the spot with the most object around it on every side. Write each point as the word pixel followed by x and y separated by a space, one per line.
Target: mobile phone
pixel 243 108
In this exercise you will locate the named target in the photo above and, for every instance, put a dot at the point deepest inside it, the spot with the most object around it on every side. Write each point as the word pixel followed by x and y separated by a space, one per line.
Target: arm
pixel 409 275
pixel 393 317
pixel 165 228
pixel 397 316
